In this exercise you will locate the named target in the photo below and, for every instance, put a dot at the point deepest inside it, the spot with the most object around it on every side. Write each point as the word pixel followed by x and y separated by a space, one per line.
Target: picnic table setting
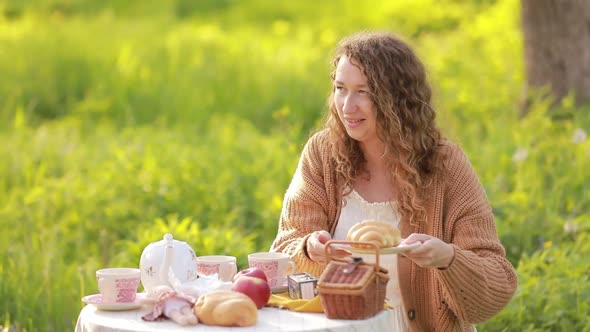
pixel 183 291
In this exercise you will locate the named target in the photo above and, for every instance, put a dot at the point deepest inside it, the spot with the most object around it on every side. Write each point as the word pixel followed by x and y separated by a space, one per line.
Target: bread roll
pixel 226 308
pixel 382 233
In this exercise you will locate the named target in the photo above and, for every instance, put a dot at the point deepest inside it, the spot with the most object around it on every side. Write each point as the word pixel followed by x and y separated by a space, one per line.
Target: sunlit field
pixel 123 121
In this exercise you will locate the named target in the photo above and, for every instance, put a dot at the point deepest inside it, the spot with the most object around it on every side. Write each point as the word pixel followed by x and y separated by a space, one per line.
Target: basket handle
pixel 328 249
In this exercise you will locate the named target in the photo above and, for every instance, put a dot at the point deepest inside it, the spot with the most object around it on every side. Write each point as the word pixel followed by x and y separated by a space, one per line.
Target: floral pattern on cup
pixel 207 269
pixel 225 266
pixel 271 269
pixel 126 289
pixel 276 266
pixel 118 285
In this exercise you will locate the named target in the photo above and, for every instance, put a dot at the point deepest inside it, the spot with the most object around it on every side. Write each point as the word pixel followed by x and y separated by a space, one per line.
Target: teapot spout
pixel 165 262
pixel 168 258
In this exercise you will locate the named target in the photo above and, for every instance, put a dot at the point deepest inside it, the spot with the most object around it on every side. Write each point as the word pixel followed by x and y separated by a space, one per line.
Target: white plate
pixel 96 300
pixel 382 251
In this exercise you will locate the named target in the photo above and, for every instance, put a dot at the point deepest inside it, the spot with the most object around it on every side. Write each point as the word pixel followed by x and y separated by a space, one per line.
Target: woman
pixel 381 156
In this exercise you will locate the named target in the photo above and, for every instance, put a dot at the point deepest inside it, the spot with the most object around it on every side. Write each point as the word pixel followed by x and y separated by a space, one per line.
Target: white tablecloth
pixel 269 320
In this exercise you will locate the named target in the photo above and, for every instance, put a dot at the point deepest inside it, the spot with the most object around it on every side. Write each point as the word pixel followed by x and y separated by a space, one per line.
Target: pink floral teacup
pixel 118 285
pixel 276 266
pixel 224 266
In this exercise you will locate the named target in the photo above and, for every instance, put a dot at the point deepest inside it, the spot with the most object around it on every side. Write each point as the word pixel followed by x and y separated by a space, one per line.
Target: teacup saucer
pixel 96 300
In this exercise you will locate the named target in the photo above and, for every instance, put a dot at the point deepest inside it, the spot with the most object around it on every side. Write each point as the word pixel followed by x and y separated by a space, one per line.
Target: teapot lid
pixel 168 238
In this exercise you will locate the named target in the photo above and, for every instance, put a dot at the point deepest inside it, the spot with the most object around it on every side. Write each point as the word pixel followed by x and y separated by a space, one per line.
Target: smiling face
pixel 353 102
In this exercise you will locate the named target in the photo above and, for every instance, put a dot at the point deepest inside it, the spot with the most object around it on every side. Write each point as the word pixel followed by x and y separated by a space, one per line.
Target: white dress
pixel 357 209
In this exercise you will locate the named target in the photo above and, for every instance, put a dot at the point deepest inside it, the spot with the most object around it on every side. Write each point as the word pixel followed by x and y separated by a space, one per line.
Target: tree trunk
pixel 557 46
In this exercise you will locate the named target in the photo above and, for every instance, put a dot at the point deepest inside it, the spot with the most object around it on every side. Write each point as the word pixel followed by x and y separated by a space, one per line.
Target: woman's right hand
pixel 316 244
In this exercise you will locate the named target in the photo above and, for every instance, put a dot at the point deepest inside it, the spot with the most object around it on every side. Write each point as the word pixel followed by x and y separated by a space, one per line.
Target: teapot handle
pixel 168 257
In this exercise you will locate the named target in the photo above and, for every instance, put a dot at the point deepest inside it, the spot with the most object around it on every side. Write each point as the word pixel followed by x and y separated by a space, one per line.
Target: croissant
pixel 382 233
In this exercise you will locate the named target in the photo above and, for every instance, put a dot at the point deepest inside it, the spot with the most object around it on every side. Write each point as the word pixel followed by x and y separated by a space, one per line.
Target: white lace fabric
pixel 356 209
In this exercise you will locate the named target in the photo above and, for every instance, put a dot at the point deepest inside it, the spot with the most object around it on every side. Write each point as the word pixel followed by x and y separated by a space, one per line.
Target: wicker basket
pixel 350 288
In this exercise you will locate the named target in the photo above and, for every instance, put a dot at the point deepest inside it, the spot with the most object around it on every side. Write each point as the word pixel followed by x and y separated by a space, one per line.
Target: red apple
pixel 251 272
pixel 256 289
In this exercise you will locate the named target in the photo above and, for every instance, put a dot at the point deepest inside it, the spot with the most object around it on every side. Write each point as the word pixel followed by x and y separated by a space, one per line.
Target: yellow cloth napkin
pixel 284 301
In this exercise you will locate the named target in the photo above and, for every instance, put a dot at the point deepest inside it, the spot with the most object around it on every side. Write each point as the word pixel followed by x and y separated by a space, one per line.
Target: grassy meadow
pixel 121 121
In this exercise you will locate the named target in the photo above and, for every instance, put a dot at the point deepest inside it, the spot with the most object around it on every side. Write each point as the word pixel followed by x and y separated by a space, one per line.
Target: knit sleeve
pixel 304 210
pixel 480 280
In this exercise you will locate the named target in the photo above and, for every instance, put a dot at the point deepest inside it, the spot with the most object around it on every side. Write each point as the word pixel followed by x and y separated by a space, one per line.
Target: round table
pixel 269 320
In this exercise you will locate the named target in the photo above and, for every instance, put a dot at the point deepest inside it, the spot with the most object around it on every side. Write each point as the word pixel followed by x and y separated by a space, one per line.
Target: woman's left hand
pixel 432 253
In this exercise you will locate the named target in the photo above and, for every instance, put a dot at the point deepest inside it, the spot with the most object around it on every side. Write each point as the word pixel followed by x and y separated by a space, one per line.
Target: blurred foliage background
pixel 123 120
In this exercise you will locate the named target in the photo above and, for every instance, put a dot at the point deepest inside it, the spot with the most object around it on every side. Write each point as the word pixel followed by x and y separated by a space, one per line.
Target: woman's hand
pixel 432 253
pixel 316 245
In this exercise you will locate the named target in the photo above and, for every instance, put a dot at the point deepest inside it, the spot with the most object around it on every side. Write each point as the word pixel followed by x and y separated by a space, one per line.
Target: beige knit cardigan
pixel 479 282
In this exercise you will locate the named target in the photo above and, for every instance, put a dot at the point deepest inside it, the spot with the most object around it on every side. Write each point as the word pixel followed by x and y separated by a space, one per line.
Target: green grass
pixel 122 121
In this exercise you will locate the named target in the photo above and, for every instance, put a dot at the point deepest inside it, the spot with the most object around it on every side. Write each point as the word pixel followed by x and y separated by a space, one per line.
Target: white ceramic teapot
pixel 159 257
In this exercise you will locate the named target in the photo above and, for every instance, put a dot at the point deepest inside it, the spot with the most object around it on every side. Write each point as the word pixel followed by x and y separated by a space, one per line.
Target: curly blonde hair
pixel 405 121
